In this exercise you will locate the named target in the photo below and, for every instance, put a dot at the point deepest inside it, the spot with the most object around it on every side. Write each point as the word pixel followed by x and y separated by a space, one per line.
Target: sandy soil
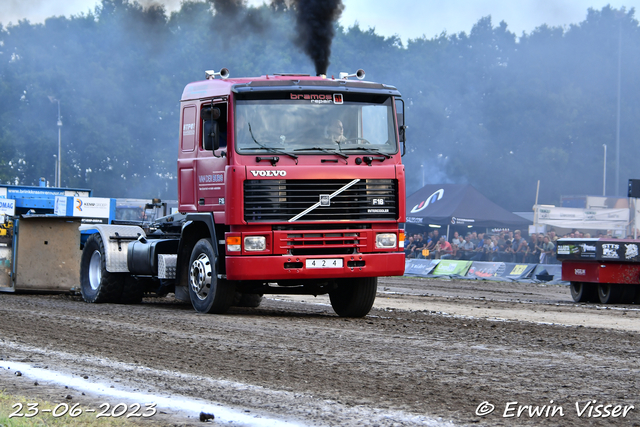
pixel 430 353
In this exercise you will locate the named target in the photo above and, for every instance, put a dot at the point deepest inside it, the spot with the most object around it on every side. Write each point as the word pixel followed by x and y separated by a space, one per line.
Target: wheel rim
pixel 200 276
pixel 604 290
pixel 95 270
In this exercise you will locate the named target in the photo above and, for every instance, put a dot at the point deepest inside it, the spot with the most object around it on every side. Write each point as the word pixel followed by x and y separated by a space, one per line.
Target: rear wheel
pixel 609 293
pixel 247 300
pixel 97 285
pixel 207 293
pixel 354 297
pixel 584 292
pixel 132 291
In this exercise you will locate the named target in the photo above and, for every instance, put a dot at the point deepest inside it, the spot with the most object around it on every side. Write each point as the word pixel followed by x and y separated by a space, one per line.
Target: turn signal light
pixel 234 244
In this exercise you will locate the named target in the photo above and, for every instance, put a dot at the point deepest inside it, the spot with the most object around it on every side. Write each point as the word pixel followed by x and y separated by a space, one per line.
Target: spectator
pixel 455 254
pixel 467 247
pixel 474 238
pixel 444 249
pixel 495 249
pixel 483 251
pixel 533 252
pixel 508 251
pixel 457 240
pixel 430 245
pixel 547 251
pixel 519 247
pixel 418 245
pixel 409 248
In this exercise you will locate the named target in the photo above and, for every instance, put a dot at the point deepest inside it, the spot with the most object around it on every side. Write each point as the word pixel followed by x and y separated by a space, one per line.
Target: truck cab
pixel 289 183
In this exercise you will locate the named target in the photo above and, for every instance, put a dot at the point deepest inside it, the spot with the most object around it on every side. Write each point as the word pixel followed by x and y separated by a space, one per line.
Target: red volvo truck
pixel 602 270
pixel 287 184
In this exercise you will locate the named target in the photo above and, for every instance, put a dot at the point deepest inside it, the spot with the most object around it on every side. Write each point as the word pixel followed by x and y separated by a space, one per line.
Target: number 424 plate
pixel 324 263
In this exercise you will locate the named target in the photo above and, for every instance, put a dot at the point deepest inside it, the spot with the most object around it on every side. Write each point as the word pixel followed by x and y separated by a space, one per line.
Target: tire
pixel 247 300
pixel 97 285
pixel 207 293
pixel 584 292
pixel 616 294
pixel 133 291
pixel 355 297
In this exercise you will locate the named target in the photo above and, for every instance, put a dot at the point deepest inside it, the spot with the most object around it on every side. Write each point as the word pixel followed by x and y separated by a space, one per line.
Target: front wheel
pixel 207 293
pixel 354 297
pixel 97 285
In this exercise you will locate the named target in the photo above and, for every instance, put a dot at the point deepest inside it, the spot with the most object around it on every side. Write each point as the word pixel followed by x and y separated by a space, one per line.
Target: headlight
pixel 386 240
pixel 255 243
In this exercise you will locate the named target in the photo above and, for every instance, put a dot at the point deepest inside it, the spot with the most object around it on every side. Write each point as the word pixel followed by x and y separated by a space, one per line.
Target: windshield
pixel 313 124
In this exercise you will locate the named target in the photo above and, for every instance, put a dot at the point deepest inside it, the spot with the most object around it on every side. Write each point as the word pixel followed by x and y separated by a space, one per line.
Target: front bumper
pixel 289 267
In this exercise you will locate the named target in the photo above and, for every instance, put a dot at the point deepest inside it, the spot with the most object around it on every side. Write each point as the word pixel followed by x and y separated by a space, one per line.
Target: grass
pixel 9 405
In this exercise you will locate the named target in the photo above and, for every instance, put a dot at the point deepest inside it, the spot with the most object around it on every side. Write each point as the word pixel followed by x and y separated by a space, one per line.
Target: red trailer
pixel 605 270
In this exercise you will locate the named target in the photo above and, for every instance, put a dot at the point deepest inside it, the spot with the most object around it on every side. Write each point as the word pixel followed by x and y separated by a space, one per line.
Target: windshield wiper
pixel 371 149
pixel 324 150
pixel 271 149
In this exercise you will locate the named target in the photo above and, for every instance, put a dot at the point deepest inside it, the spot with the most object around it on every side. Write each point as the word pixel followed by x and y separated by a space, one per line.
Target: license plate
pixel 324 263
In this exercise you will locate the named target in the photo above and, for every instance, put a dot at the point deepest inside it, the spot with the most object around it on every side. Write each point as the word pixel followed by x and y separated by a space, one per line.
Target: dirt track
pixel 430 353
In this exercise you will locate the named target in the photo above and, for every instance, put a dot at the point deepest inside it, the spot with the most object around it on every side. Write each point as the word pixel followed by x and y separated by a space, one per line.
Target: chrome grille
pixel 280 200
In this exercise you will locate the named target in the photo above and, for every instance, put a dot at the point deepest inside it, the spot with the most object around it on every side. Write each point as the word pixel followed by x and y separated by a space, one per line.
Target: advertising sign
pixel 484 270
pixel 419 267
pixel 589 219
pixel 624 250
pixel 7 207
pixel 60 206
pixel 451 268
pixel 92 207
pixel 517 271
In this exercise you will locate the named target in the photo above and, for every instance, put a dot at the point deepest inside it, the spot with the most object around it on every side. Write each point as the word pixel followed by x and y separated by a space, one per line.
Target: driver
pixel 335 131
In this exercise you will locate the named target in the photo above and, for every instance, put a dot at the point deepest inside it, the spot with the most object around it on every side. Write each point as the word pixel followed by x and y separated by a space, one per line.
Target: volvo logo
pixel 269 173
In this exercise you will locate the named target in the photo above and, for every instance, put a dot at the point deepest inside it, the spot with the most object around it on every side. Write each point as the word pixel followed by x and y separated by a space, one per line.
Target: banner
pixel 623 250
pixel 452 268
pixel 419 267
pixel 484 270
pixel 515 271
pixel 7 207
pixel 584 219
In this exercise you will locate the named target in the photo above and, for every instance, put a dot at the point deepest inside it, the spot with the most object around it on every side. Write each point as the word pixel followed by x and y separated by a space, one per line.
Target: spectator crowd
pixel 505 246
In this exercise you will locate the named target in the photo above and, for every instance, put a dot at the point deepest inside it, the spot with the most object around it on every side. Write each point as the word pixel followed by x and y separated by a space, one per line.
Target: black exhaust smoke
pixel 314 24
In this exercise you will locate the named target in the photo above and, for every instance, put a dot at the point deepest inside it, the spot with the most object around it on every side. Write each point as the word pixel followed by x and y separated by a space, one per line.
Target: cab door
pixel 210 165
pixel 186 160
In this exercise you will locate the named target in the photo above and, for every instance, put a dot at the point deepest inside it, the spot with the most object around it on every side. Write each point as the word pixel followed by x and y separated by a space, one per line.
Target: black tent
pixel 458 205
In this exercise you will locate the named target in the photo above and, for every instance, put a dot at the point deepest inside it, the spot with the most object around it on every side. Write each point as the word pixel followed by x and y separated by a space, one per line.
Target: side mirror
pixel 211 136
pixel 401 126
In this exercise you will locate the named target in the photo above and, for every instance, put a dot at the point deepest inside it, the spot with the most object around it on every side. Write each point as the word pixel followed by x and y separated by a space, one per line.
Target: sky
pixel 406 18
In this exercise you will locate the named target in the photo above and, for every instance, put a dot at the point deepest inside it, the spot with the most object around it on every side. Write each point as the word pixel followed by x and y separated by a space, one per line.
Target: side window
pixel 375 126
pixel 188 128
pixel 219 114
